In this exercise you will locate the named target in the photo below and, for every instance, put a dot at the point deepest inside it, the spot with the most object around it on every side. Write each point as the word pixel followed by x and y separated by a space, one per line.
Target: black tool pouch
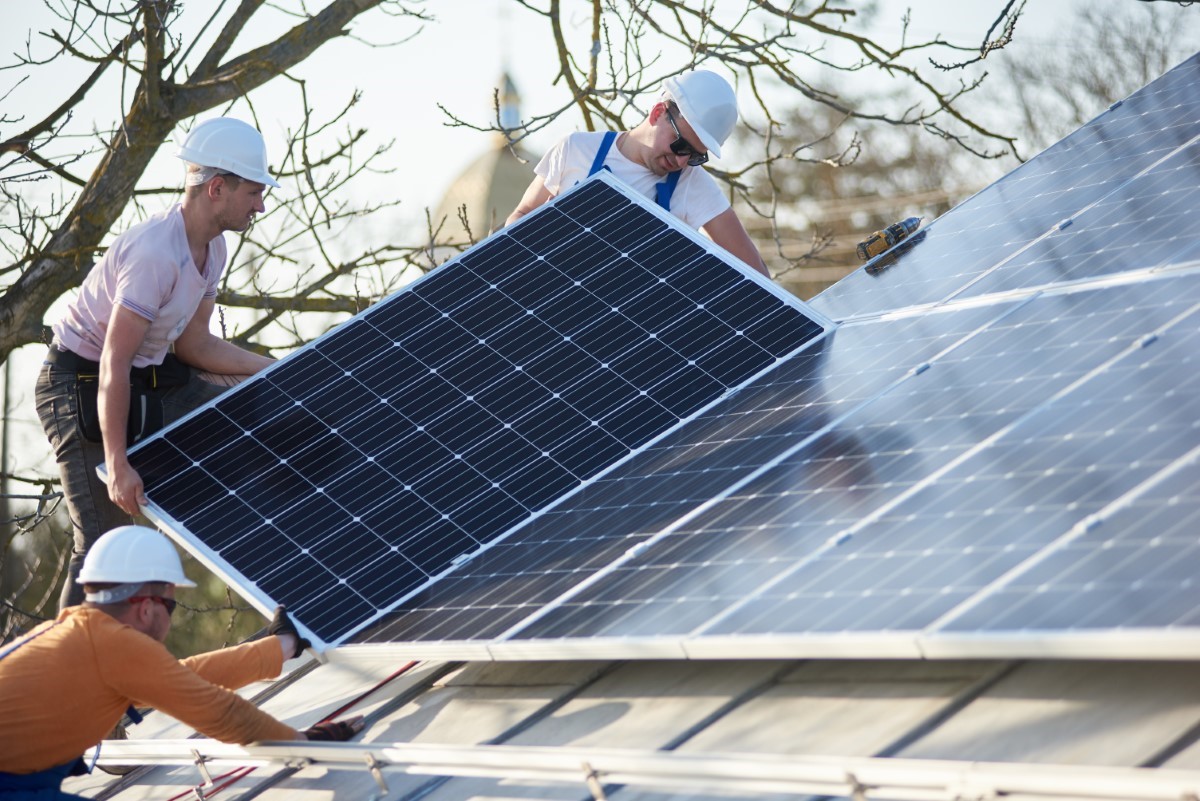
pixel 147 385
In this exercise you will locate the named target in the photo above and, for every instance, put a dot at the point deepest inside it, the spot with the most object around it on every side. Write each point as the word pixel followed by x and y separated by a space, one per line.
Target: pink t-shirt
pixel 149 271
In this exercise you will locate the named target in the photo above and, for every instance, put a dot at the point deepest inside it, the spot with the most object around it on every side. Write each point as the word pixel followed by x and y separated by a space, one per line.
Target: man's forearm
pixel 112 403
pixel 215 355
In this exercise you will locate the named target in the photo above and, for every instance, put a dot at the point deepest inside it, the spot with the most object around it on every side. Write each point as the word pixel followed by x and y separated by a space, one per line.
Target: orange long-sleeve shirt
pixel 69 682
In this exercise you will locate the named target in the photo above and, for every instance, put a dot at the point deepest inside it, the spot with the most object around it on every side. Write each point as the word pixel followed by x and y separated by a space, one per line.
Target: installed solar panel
pixel 600 524
pixel 1003 464
pixel 1091 166
pixel 1131 474
pixel 370 461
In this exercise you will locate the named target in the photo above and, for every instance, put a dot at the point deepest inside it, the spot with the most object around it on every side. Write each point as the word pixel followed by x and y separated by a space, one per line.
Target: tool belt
pixel 147 385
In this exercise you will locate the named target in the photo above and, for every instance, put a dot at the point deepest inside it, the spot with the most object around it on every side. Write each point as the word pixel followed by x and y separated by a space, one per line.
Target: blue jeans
pixel 45 785
pixel 88 504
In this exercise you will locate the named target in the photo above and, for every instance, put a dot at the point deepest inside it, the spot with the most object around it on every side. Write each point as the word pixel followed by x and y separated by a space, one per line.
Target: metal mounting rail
pixel 872 778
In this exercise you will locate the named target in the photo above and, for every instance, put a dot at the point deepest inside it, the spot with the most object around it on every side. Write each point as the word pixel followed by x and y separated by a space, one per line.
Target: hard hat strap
pixel 202 174
pixel 114 595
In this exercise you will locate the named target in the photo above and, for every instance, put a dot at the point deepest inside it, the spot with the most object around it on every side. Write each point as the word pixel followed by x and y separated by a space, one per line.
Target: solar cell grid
pixel 1129 567
pixel 1144 223
pixel 420 430
pixel 917 548
pixel 697 462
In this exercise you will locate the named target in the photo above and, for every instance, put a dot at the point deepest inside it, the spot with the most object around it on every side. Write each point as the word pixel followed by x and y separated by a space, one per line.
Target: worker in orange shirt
pixel 67 683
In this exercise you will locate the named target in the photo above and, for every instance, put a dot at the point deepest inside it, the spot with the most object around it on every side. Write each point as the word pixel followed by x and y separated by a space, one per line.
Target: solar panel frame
pixel 360 335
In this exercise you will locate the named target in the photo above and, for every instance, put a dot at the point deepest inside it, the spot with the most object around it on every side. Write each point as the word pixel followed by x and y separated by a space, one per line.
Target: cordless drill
pixel 880 241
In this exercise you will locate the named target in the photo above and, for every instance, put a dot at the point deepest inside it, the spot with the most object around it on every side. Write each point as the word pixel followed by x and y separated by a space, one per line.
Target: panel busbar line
pixel 369 462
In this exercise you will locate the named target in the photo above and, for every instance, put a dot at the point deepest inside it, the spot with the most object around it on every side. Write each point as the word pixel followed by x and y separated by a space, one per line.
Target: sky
pixel 454 61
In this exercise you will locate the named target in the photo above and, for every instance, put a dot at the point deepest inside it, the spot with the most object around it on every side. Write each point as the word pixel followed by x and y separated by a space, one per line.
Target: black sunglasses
pixel 680 146
pixel 167 603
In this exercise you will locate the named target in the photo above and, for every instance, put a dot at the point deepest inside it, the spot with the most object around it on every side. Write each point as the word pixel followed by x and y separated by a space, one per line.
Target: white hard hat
pixel 133 555
pixel 708 103
pixel 228 144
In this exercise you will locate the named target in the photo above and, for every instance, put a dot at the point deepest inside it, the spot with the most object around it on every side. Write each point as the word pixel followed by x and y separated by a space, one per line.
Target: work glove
pixel 282 624
pixel 335 730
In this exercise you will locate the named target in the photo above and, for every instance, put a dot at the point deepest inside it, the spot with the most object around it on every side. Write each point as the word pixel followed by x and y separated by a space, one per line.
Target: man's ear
pixel 143 615
pixel 657 111
pixel 215 187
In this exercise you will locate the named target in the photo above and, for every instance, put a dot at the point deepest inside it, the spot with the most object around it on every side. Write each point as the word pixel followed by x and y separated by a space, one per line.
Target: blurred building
pixel 492 185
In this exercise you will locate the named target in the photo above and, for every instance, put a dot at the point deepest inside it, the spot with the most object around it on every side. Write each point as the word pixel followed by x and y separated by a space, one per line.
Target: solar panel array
pixel 366 464
pixel 994 453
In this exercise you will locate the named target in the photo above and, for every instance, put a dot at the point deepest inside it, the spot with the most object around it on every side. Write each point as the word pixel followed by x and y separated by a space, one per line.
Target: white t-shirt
pixel 148 270
pixel 697 198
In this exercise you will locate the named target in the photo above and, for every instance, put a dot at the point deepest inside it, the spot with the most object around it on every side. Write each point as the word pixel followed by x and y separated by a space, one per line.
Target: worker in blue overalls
pixel 661 158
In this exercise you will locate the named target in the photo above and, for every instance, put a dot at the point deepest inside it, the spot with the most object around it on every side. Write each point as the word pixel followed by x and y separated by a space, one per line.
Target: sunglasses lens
pixel 680 146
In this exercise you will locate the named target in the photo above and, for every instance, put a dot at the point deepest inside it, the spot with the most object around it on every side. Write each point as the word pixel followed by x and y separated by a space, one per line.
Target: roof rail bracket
pixel 858 790
pixel 199 761
pixel 592 779
pixel 374 766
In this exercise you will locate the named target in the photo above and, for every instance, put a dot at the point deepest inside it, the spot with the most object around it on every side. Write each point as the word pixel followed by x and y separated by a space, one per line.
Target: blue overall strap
pixel 664 190
pixel 602 153
pixel 15 645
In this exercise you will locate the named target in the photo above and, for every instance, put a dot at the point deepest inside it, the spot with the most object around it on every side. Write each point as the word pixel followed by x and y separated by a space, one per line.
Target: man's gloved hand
pixel 281 624
pixel 335 730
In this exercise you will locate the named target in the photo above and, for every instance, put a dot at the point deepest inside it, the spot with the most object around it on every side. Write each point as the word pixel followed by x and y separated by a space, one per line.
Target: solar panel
pixel 374 459
pixel 1001 476
pixel 995 454
pixel 587 532
pixel 1091 166
pixel 1126 564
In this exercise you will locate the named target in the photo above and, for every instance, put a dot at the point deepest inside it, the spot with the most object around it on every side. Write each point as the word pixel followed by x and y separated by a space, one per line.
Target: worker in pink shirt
pixel 110 377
